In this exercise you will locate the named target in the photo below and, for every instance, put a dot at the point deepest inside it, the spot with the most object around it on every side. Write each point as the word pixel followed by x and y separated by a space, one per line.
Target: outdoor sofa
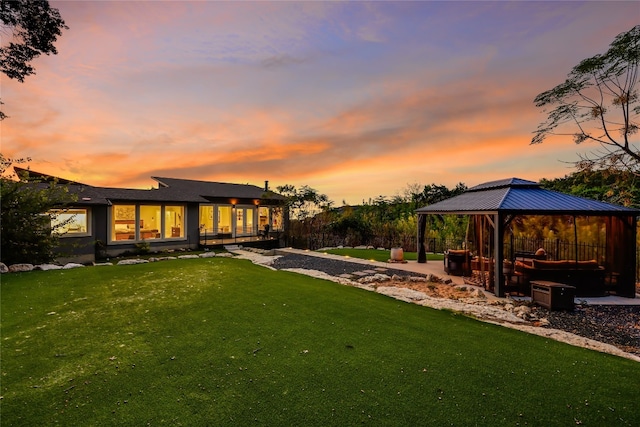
pixel 588 277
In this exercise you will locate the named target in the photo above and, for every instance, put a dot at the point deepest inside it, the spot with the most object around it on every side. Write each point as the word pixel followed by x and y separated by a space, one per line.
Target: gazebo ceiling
pixel 519 196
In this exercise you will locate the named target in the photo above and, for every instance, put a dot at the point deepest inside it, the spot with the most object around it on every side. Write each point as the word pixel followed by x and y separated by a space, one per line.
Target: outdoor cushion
pixel 458 251
pixel 590 265
pixel 551 265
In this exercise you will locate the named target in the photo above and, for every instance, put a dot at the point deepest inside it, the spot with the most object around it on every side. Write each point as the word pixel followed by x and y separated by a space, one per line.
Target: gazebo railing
pixel 556 249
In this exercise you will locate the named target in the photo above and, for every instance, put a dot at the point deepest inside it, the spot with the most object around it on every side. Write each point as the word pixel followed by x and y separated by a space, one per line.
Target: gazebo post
pixel 498 238
pixel 621 233
pixel 422 225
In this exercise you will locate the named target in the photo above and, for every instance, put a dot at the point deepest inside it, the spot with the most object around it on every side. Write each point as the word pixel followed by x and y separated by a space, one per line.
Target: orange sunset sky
pixel 354 99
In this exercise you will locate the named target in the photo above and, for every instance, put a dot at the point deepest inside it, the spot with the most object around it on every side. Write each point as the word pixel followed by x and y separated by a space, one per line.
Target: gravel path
pixel 611 324
pixel 330 266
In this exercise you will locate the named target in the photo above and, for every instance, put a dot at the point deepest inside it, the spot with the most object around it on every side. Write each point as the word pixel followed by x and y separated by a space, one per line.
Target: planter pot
pixel 397 254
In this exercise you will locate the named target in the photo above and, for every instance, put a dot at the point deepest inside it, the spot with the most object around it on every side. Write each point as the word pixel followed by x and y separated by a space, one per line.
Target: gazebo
pixel 492 207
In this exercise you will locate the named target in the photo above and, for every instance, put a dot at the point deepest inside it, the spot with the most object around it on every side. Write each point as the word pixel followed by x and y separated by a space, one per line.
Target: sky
pixel 354 99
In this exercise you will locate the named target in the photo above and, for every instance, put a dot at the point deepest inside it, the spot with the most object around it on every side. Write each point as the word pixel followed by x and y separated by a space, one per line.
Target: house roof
pixel 519 196
pixel 211 190
pixel 169 190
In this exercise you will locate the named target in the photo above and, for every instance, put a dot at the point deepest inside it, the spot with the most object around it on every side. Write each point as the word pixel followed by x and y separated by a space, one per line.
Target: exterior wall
pixel 99 245
pixel 82 250
pixel 189 241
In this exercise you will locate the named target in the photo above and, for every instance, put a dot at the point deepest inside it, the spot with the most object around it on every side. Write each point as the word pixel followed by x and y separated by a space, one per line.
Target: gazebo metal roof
pixel 519 196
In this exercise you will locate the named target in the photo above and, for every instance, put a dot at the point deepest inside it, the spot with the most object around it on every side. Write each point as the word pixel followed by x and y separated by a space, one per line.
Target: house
pixel 178 214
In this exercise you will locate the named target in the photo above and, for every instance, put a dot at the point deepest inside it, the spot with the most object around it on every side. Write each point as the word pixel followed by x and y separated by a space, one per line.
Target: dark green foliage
pixel 25 226
pixel 32 27
pixel 380 222
pixel 436 193
pixel 611 186
pixel 600 102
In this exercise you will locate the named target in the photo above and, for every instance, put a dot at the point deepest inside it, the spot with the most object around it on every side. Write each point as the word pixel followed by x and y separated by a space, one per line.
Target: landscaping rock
pixel 207 255
pixel 132 261
pixel 162 258
pixel 3 268
pixel 47 267
pixel 375 278
pixel 188 256
pixel 72 265
pixel 17 268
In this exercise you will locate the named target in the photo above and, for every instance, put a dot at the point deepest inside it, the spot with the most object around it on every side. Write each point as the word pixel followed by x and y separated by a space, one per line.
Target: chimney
pixel 266 186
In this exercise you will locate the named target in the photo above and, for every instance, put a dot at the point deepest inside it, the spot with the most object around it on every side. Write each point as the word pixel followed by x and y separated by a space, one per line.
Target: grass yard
pixel 379 255
pixel 223 342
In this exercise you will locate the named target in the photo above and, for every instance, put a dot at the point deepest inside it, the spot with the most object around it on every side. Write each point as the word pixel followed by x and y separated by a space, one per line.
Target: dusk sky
pixel 354 99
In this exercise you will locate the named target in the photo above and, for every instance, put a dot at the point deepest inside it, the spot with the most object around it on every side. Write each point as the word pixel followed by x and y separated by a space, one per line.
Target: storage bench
pixel 553 295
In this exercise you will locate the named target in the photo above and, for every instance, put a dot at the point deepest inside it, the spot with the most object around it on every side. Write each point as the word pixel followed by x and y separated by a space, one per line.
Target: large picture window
pixel 150 222
pixel 123 222
pixel 70 222
pixel 173 221
pixel 147 222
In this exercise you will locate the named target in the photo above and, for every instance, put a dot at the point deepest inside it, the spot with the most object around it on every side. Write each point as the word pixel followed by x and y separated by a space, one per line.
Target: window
pixel 150 222
pixel 263 218
pixel 224 219
pixel 277 221
pixel 123 222
pixel 70 222
pixel 147 222
pixel 206 219
pixel 174 221
pixel 244 221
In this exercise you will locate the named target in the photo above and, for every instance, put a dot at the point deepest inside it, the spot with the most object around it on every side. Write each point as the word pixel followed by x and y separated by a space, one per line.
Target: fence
pixel 556 249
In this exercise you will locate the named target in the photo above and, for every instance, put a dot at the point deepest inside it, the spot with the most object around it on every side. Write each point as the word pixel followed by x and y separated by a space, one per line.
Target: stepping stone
pixel 380 269
pixel 360 273
pixel 346 276
pixel 369 271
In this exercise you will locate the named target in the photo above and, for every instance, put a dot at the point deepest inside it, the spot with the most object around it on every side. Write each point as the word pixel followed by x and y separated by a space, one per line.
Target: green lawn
pixel 379 255
pixel 215 342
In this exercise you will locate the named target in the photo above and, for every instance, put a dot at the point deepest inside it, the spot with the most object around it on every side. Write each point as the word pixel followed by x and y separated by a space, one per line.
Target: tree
pixel 26 232
pixel 611 186
pixel 304 202
pixel 32 27
pixel 600 99
pixel 305 205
